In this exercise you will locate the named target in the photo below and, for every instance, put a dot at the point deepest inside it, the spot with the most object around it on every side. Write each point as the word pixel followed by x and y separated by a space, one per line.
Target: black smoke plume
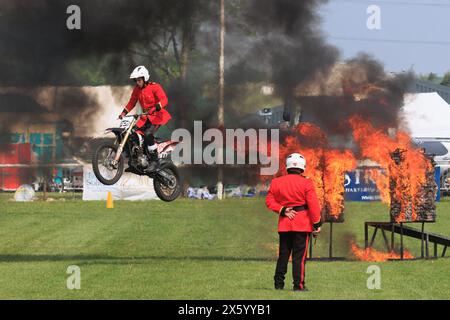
pixel 289 50
pixel 268 41
pixel 38 49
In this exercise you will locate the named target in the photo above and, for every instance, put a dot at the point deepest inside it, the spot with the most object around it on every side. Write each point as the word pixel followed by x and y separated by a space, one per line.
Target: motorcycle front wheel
pixel 106 171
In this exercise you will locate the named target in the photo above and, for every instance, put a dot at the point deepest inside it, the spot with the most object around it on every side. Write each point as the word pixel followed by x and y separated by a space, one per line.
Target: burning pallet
pixel 412 192
pixel 326 167
pixel 336 164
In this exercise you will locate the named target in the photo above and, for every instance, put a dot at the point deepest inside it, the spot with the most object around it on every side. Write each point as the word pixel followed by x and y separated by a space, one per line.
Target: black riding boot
pixel 153 158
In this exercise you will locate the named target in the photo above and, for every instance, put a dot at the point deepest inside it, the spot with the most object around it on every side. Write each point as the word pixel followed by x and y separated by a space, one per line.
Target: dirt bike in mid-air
pixel 109 159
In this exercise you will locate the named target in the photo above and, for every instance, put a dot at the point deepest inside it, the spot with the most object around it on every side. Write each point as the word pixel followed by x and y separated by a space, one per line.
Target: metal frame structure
pixel 400 228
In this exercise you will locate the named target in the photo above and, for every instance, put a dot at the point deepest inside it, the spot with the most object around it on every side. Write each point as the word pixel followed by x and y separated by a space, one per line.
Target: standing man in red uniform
pixel 294 199
pixel 153 100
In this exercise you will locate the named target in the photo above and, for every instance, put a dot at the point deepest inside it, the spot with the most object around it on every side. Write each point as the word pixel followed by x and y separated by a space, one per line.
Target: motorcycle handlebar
pixel 139 115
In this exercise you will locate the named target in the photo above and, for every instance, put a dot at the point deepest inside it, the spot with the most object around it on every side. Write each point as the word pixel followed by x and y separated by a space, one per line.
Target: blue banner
pixel 437 177
pixel 359 186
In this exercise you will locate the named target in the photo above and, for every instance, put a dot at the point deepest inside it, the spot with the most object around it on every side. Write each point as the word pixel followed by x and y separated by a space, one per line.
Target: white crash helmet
pixel 140 72
pixel 295 160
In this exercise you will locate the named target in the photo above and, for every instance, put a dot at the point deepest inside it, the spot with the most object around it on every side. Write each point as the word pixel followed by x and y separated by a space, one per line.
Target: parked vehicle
pixel 440 149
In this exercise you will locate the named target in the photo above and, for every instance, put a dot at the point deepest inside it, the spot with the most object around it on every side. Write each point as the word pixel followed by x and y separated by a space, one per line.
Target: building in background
pixel 46 133
pixel 16 159
pixel 33 144
pixel 423 86
pixel 35 154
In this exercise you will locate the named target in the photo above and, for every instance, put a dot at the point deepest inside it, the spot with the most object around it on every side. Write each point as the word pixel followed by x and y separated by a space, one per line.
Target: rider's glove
pixel 158 107
pixel 123 114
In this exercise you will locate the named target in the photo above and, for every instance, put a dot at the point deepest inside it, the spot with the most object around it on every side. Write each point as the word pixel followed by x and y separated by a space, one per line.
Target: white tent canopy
pixel 426 115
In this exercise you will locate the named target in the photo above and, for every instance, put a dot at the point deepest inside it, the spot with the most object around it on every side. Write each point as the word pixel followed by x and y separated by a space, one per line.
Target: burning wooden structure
pixel 325 166
pixel 412 192
pixel 328 175
pixel 337 163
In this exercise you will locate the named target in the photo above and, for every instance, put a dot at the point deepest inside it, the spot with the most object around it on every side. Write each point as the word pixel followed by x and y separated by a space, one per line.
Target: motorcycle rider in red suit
pixel 153 101
pixel 294 199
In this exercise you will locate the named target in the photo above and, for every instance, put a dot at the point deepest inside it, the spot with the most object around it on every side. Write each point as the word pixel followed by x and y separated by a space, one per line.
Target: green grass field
pixel 191 250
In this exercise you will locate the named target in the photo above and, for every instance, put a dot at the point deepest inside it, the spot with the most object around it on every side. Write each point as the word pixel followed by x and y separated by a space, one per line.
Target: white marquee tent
pixel 426 115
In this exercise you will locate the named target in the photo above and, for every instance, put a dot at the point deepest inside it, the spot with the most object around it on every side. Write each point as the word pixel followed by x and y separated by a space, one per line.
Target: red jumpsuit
pixel 293 190
pixel 148 97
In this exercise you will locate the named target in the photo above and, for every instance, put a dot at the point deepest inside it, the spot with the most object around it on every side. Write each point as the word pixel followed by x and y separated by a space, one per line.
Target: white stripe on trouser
pixel 141 140
pixel 152 147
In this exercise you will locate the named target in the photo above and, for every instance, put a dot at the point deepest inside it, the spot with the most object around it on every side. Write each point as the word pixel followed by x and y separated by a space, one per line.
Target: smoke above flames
pixel 39 51
pixel 278 42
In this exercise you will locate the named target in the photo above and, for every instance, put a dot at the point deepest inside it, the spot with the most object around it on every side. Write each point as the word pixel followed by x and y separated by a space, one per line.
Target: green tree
pixel 171 40
pixel 446 80
pixel 432 76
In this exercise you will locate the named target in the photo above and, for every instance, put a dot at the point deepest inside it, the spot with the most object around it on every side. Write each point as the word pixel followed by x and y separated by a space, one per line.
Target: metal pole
pixel 422 240
pixel 45 186
pixel 330 253
pixel 366 235
pixel 386 242
pixel 401 240
pixel 220 112
pixel 374 235
pixel 392 236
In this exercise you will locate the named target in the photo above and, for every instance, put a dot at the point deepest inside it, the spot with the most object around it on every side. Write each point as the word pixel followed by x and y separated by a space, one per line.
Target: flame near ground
pixel 372 255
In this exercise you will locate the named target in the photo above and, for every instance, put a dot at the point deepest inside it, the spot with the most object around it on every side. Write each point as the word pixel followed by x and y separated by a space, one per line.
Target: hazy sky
pixel 414 33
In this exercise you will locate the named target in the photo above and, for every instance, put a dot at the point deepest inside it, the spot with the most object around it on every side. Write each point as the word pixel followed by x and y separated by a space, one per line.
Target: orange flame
pixel 325 166
pixel 402 181
pixel 409 176
pixel 336 164
pixel 373 255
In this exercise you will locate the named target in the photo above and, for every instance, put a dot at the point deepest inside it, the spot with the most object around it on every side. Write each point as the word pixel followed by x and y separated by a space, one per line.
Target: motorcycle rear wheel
pixel 167 190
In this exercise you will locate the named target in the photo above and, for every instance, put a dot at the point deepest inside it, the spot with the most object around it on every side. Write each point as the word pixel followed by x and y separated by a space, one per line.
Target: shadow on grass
pixel 101 259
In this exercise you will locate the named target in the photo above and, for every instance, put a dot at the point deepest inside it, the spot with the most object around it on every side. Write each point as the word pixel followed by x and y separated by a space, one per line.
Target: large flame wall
pixel 408 186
